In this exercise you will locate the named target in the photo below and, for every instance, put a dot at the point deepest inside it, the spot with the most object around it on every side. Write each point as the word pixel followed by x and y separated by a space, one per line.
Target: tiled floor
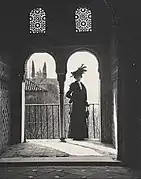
pixel 39 172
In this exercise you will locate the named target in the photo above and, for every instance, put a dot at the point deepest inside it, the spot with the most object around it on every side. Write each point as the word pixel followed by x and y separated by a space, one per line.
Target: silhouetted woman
pixel 78 97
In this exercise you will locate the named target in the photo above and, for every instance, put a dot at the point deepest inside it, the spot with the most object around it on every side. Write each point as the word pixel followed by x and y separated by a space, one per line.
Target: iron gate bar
pixel 46 120
pixel 93 121
pixel 29 120
pixel 35 116
pixel 58 123
pixel 41 122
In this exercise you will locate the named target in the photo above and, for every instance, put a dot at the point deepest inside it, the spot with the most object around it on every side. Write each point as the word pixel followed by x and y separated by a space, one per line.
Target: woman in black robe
pixel 77 93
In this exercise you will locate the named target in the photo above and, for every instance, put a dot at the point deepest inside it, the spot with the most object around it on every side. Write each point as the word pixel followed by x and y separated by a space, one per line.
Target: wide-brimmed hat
pixel 81 70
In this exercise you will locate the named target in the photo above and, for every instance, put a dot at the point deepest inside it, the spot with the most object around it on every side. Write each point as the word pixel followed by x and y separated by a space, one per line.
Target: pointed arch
pixel 37 20
pixel 83 19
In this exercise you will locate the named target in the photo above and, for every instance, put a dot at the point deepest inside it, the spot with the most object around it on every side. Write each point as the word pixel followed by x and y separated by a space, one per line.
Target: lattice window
pixel 83 19
pixel 37 18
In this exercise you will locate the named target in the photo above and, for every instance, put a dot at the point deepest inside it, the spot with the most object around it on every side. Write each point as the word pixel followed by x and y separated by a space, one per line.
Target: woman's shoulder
pixel 72 85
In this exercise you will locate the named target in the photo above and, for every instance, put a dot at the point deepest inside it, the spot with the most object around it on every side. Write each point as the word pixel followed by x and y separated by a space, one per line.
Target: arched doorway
pixel 61 61
pixel 40 98
pixel 92 82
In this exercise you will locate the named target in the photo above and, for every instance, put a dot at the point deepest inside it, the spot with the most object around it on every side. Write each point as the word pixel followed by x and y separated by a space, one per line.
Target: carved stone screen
pixel 37 18
pixel 83 20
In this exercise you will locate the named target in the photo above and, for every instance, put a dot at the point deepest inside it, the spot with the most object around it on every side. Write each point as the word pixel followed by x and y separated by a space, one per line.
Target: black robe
pixel 78 97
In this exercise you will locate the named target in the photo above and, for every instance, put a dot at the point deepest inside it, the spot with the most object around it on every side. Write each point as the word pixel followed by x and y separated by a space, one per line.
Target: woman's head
pixel 78 77
pixel 78 73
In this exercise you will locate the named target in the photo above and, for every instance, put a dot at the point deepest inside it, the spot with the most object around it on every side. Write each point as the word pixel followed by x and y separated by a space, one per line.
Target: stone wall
pixel 4 105
pixel 114 78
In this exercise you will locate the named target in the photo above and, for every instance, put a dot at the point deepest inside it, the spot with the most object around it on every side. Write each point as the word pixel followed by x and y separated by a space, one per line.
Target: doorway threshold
pixel 60 161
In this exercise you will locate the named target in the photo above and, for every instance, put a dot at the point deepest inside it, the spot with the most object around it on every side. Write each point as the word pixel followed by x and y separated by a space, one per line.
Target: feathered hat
pixel 81 70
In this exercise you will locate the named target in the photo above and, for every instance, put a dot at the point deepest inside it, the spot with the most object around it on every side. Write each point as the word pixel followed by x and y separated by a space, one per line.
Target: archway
pixel 61 71
pixel 93 90
pixel 41 98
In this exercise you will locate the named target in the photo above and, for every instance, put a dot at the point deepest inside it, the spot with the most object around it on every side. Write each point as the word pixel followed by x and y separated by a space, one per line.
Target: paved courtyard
pixel 68 172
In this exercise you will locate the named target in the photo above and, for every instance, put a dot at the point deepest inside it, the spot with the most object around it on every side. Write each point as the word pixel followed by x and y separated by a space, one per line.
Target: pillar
pixel 16 105
pixel 129 99
pixel 61 80
pixel 106 99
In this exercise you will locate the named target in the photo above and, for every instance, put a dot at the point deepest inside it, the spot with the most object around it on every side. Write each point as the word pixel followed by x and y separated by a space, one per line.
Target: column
pixel 16 105
pixel 106 99
pixel 61 80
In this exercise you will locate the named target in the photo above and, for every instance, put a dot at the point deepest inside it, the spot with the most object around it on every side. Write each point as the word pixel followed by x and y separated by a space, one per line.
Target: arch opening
pixel 92 83
pixel 95 122
pixel 40 98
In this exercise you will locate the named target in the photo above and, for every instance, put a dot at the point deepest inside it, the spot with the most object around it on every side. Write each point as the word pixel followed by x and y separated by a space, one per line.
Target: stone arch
pixel 86 49
pixel 47 53
pixel 51 63
pixel 93 91
pixel 27 56
pixel 105 93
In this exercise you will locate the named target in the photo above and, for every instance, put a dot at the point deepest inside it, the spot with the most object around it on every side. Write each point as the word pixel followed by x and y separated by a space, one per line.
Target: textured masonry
pixel 4 106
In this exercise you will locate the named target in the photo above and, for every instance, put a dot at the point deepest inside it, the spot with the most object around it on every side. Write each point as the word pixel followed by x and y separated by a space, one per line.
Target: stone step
pixel 61 161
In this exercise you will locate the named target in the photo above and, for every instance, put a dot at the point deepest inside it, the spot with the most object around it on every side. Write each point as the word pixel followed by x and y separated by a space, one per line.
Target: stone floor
pixel 68 172
pixel 34 159
pixel 55 148
pixel 31 149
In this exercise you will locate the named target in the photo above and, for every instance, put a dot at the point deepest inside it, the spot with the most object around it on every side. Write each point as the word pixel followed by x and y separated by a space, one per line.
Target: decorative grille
pixel 37 20
pixel 83 20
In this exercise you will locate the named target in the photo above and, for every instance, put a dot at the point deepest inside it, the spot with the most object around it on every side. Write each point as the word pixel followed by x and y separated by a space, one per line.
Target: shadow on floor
pixel 56 148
